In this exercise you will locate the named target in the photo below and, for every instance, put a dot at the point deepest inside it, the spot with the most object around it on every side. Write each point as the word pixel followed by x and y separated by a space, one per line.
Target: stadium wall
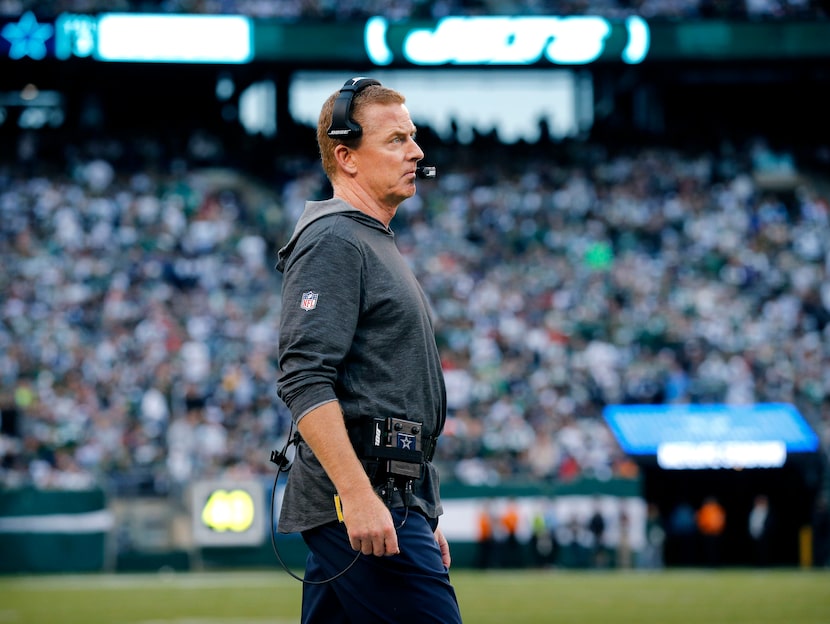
pixel 87 531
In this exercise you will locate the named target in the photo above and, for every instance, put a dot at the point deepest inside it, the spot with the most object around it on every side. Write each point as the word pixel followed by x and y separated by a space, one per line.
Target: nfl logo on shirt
pixel 309 301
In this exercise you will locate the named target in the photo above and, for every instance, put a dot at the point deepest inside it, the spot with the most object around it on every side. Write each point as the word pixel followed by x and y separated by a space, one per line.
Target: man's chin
pixel 408 192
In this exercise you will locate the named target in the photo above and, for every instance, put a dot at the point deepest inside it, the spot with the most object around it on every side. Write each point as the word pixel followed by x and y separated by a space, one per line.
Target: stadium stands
pixel 140 306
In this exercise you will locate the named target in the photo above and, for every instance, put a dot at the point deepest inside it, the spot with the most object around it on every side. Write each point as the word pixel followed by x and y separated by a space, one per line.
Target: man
pixel 361 374
pixel 711 523
pixel 760 529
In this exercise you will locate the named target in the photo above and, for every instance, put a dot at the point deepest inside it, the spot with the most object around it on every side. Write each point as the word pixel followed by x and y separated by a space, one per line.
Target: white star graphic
pixel 28 37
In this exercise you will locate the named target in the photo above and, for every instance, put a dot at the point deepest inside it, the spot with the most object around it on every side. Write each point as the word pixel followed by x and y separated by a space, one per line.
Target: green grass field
pixel 526 597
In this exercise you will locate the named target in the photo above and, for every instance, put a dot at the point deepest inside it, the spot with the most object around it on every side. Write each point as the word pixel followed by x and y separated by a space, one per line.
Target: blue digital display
pixel 643 429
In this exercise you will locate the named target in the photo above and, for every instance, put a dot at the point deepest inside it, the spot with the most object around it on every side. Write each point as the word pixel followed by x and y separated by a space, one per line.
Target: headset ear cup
pixel 342 125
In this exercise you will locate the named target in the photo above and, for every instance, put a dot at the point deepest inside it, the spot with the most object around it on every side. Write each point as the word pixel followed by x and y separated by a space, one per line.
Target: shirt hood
pixel 315 210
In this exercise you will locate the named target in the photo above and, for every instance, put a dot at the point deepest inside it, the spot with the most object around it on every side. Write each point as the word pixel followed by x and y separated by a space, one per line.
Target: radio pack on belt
pixel 390 448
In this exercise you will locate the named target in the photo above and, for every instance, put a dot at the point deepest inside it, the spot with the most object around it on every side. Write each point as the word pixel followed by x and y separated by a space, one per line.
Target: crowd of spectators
pixel 140 306
pixel 434 9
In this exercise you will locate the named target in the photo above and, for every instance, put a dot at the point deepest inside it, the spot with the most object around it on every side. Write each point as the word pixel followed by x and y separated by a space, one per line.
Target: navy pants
pixel 413 586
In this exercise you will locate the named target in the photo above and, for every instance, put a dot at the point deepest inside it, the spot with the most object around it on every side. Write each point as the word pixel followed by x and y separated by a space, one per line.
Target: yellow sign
pixel 229 511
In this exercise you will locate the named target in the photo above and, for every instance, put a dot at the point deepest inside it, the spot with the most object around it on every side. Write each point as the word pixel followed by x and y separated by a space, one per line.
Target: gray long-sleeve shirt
pixel 356 328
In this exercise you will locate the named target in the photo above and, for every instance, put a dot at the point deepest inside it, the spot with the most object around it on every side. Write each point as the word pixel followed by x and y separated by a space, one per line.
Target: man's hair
pixel 373 94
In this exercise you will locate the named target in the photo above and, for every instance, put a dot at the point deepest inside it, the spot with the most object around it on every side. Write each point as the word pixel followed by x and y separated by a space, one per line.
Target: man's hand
pixel 444 546
pixel 369 524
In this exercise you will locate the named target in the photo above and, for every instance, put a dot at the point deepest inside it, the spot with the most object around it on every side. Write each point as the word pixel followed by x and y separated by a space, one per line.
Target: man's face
pixel 388 154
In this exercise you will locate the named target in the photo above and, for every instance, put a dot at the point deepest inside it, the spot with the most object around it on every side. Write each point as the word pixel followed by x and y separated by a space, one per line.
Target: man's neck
pixel 361 201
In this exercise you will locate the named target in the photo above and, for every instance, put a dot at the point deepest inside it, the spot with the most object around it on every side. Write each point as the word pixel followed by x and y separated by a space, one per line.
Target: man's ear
pixel 345 158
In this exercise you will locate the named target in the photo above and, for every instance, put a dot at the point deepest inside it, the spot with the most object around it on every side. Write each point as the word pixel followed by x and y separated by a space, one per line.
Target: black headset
pixel 342 125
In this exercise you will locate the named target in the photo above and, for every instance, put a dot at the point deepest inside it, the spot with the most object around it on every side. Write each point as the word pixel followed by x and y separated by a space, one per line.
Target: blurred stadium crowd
pixel 138 323
pixel 140 302
pixel 433 9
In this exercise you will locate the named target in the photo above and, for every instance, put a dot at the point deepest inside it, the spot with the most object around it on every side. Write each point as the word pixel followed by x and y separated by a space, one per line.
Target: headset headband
pixel 342 125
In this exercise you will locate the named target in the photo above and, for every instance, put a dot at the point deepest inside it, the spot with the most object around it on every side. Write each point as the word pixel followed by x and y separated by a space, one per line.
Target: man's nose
pixel 419 153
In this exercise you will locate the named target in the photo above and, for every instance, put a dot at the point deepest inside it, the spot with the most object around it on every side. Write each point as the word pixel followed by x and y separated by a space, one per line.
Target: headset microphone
pixel 426 173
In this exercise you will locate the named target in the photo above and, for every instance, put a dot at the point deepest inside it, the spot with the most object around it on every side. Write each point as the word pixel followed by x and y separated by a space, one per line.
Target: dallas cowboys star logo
pixel 27 37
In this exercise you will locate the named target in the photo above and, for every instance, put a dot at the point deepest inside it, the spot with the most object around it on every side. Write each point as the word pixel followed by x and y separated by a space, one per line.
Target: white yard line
pixel 194 580
pixel 218 621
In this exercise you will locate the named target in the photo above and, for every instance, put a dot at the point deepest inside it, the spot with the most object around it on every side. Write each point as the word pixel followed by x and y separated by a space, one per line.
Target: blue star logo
pixel 27 37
